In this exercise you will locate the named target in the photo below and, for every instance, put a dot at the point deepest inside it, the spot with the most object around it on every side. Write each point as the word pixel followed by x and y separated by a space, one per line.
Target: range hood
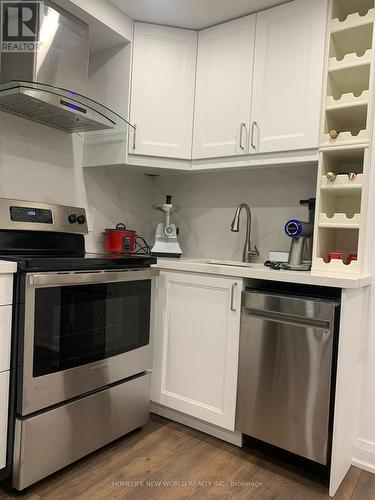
pixel 48 85
pixel 55 107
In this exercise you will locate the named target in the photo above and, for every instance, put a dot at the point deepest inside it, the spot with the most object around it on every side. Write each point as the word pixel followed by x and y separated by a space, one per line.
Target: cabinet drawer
pixel 6 289
pixel 5 336
pixel 4 393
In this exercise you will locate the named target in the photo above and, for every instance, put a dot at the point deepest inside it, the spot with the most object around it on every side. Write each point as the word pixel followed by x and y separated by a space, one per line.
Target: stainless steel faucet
pixel 248 252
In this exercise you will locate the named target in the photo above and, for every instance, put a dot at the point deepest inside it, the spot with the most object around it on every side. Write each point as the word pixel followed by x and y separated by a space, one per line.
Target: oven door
pixel 83 331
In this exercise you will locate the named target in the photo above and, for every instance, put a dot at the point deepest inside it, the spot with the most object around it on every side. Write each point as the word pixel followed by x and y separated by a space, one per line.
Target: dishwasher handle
pixel 286 319
pixel 304 308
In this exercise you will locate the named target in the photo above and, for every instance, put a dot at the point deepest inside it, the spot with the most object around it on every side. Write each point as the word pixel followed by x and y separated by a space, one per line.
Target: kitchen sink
pixel 227 263
pixel 231 263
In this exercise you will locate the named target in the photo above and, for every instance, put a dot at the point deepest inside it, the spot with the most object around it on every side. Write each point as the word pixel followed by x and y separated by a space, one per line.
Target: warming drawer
pixel 49 441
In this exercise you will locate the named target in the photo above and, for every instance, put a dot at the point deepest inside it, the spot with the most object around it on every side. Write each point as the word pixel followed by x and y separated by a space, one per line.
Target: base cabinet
pixel 196 346
pixel 6 295
pixel 5 336
pixel 4 395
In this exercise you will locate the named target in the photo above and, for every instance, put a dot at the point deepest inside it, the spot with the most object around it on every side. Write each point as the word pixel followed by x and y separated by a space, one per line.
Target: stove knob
pixel 72 218
pixel 81 219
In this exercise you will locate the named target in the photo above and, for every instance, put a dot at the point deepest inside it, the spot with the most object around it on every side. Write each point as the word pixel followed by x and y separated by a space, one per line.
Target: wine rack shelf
pixel 350 61
pixel 353 21
pixel 340 221
pixel 347 137
pixel 342 183
pixel 346 125
pixel 348 101
pixel 342 9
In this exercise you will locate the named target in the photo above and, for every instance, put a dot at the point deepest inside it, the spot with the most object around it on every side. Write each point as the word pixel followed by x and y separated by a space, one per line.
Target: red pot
pixel 120 240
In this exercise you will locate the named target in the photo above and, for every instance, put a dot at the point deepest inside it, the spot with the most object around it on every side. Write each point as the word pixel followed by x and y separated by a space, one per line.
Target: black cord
pixel 274 265
pixel 143 248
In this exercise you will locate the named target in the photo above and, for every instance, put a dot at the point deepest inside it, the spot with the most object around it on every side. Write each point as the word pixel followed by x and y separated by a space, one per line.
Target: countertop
pixel 7 267
pixel 259 271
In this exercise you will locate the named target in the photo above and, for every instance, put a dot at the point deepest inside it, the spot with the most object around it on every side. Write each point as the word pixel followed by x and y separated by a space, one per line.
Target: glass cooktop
pixel 92 261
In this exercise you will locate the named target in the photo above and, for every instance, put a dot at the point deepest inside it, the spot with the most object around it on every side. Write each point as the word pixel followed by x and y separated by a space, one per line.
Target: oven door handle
pixel 85 278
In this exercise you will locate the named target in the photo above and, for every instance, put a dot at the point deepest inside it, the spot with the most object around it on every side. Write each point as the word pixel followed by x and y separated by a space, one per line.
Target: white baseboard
pixel 364 455
pixel 232 437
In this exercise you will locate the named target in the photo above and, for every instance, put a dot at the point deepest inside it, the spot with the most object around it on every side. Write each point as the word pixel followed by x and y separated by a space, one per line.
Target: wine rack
pixel 346 128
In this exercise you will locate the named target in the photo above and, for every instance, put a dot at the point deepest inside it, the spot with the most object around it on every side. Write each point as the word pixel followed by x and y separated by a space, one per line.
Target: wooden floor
pixel 169 461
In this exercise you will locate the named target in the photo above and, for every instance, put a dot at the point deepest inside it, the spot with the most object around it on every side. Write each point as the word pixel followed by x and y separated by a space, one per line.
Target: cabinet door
pixel 196 346
pixel 4 395
pixel 5 336
pixel 162 95
pixel 223 89
pixel 288 74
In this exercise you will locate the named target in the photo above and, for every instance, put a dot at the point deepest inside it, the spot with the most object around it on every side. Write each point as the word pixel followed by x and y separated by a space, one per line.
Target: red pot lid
pixel 121 228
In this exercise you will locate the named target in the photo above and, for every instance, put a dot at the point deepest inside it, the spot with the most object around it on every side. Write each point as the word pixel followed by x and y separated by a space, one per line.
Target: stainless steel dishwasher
pixel 285 369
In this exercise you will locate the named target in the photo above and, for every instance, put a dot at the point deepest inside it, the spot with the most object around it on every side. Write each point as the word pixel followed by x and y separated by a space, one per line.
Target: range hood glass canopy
pixel 58 108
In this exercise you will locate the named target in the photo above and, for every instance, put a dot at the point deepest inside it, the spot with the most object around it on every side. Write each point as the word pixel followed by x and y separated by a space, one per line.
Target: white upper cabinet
pixel 162 97
pixel 288 74
pixel 223 89
pixel 253 86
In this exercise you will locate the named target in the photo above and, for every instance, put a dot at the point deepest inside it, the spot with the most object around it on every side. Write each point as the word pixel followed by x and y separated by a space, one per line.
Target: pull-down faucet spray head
pixel 235 226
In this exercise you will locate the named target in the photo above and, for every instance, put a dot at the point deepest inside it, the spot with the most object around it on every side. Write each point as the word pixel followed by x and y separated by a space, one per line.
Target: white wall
pixel 109 80
pixel 39 163
pixel 102 16
pixel 115 195
pixel 208 202
pixel 42 164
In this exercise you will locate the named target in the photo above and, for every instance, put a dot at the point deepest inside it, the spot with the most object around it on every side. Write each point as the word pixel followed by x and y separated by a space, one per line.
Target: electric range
pixel 81 352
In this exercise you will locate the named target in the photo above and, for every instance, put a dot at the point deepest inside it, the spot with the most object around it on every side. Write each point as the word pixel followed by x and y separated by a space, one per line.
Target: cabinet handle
pixel 253 125
pixel 134 135
pixel 234 289
pixel 243 126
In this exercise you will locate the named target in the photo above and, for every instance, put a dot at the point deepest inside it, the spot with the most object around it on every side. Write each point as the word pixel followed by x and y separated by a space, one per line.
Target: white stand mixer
pixel 166 242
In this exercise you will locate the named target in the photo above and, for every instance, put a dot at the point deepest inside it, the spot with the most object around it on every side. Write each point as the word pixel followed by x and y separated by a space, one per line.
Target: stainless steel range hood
pixel 48 85
pixel 57 108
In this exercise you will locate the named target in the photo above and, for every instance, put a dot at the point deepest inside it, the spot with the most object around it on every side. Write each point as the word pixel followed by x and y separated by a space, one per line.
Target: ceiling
pixel 192 14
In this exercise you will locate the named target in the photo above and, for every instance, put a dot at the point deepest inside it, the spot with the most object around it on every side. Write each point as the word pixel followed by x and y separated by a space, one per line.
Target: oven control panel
pixel 31 215
pixel 24 214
